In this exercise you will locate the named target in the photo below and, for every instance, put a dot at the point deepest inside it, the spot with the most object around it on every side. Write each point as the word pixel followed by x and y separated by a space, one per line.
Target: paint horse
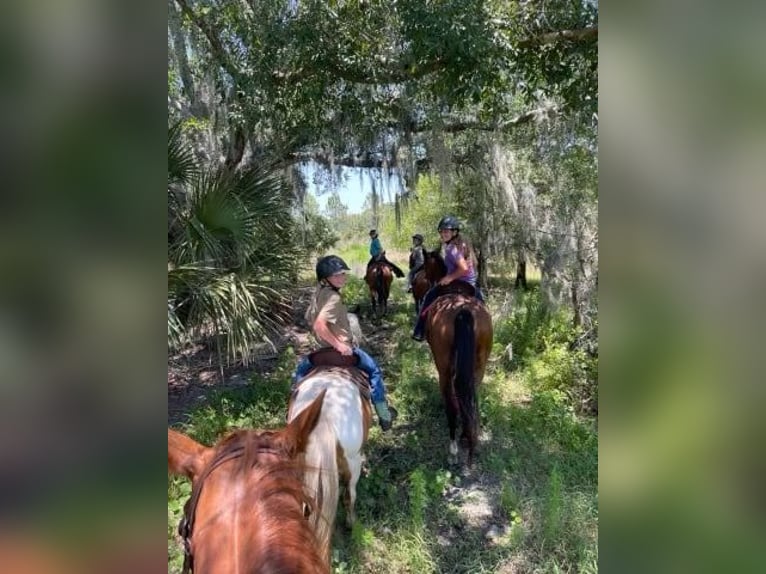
pixel 378 278
pixel 248 511
pixel 459 333
pixel 334 452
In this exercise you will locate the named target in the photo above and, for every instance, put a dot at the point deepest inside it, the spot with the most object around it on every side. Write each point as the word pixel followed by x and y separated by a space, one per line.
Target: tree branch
pixel 396 73
pixel 459 126
pixel 581 35
pixel 376 160
pixel 215 42
pixel 387 72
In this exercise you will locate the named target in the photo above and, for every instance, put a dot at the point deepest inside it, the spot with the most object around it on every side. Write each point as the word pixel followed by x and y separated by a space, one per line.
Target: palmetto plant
pixel 231 252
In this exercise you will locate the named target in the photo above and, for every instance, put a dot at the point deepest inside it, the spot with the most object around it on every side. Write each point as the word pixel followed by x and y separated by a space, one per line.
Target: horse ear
pixel 300 427
pixel 186 457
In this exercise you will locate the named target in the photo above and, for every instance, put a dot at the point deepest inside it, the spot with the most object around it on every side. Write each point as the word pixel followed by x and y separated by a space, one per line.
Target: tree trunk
pixel 482 271
pixel 577 321
pixel 521 274
pixel 236 149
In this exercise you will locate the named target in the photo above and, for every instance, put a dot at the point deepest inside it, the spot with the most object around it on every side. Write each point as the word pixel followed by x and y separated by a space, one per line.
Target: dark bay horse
pixel 420 286
pixel 378 278
pixel 248 512
pixel 459 333
pixel 334 453
pixel 430 272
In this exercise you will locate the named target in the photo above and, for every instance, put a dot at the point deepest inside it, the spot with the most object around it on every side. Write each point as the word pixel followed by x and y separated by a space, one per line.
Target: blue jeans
pixel 428 298
pixel 366 363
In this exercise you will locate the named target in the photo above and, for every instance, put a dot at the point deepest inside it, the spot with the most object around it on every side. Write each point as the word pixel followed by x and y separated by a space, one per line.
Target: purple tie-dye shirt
pixel 451 256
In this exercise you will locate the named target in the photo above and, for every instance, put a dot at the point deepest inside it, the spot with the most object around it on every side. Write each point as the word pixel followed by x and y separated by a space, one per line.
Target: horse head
pixel 248 511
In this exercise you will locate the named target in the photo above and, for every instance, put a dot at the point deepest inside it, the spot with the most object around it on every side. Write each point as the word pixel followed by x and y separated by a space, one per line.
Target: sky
pixel 354 185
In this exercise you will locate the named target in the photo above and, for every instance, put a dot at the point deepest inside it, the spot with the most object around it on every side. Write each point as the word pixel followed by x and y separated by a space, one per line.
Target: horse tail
pixel 321 480
pixel 380 285
pixel 465 388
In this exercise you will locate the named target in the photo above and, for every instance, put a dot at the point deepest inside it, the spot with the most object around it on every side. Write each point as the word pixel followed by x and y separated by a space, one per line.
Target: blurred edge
pixel 82 232
pixel 682 152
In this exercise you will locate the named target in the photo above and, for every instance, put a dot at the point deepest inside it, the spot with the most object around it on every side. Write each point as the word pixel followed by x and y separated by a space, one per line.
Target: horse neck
pixel 435 267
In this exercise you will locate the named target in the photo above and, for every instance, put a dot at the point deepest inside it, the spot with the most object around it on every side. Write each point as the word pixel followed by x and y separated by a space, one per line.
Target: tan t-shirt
pixel 327 302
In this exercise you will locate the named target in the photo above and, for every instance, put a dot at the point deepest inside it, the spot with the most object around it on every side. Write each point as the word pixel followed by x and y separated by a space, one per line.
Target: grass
pixel 534 483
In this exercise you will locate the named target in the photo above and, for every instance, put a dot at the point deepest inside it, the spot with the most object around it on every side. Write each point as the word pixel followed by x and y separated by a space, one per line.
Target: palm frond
pixel 176 331
pixel 182 166
pixel 233 305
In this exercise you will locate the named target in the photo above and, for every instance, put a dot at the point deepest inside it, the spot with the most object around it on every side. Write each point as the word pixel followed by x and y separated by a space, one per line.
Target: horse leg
pixel 354 464
pixel 452 409
pixel 374 304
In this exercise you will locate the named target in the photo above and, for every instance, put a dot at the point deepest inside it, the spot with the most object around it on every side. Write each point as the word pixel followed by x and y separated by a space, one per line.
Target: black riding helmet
pixel 330 265
pixel 448 222
pixel 418 237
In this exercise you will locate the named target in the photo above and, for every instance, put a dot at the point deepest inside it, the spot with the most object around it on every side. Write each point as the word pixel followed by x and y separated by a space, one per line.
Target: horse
pixel 430 272
pixel 459 333
pixel 420 286
pixel 334 451
pixel 248 511
pixel 378 278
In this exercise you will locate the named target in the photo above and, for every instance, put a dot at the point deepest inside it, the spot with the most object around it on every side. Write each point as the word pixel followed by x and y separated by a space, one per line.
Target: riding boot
pixel 385 415
pixel 417 333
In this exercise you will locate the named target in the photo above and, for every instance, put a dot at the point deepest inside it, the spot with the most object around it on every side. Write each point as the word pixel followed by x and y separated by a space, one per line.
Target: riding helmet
pixel 418 237
pixel 449 222
pixel 330 265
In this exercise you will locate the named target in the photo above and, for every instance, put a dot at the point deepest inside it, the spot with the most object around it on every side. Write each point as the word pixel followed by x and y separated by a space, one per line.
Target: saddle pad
pixel 356 376
pixel 456 287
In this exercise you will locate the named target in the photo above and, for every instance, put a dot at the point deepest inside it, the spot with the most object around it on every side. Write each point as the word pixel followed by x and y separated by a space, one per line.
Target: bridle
pixel 186 525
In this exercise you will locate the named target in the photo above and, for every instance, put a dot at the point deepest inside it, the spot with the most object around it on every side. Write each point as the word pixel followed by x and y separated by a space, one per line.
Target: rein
pixel 186 526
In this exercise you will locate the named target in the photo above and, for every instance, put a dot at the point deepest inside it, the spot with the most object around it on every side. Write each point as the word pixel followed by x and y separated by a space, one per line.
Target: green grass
pixel 536 469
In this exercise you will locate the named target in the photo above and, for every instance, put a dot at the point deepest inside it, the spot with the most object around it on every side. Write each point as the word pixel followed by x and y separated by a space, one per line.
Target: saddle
pixel 329 357
pixel 348 365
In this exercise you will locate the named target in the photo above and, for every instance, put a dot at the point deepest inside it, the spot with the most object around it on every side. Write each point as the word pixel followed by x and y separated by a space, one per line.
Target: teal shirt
pixel 375 247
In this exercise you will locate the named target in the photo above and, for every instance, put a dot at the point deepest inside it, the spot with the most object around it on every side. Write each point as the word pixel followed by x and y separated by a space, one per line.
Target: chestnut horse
pixel 459 333
pixel 378 278
pixel 248 511
pixel 334 451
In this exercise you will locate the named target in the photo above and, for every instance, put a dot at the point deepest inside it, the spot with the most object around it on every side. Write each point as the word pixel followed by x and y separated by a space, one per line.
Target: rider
pixel 378 254
pixel 328 318
pixel 416 259
pixel 461 265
